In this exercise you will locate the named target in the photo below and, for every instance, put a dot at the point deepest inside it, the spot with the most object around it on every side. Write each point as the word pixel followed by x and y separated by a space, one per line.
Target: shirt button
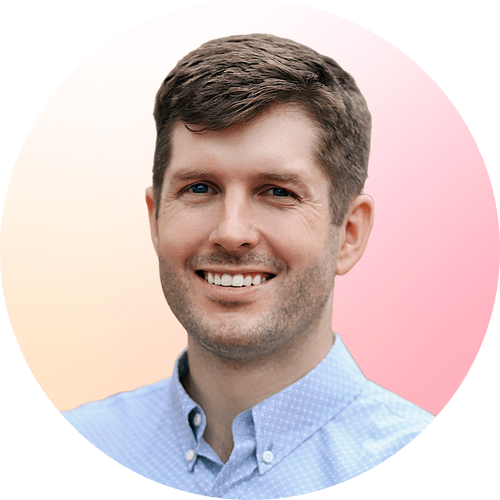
pixel 190 455
pixel 197 419
pixel 267 457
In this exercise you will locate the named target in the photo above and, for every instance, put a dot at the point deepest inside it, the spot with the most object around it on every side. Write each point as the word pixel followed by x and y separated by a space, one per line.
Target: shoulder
pixel 372 426
pixel 123 402
pixel 381 422
pixel 384 406
pixel 136 413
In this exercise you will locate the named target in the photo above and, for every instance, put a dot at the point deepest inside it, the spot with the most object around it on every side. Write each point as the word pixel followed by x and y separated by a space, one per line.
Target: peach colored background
pixel 80 274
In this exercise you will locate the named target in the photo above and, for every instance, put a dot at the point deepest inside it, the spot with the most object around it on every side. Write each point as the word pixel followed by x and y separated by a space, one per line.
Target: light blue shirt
pixel 327 427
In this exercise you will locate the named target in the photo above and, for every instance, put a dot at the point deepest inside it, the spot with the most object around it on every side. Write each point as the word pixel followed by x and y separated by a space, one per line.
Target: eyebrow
pixel 186 174
pixel 286 177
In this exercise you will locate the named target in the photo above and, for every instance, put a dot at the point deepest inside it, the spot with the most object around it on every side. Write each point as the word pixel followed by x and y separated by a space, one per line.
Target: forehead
pixel 282 140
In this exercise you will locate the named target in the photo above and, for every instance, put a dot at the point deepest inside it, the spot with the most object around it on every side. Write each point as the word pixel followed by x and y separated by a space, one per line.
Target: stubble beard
pixel 289 320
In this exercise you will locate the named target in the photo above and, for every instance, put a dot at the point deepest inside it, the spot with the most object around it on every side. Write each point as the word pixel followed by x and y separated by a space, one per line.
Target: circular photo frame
pixel 80 275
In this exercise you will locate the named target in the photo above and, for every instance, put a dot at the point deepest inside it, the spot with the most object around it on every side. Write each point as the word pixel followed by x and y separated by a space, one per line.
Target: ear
pixel 354 233
pixel 153 222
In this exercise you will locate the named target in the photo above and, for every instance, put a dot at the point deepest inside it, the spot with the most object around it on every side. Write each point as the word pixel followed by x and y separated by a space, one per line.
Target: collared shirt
pixel 327 427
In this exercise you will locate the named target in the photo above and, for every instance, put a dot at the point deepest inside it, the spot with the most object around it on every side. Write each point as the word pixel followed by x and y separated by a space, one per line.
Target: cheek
pixel 182 232
pixel 297 247
pixel 298 237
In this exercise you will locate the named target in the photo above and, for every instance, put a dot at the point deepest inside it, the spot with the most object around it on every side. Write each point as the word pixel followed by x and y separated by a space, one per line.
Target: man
pixel 256 205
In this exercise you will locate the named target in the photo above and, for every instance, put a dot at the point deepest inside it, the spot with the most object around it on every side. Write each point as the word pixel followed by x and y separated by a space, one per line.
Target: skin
pixel 246 200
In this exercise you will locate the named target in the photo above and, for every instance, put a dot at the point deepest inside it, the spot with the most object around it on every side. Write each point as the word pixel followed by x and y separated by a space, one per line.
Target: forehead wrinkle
pixel 276 166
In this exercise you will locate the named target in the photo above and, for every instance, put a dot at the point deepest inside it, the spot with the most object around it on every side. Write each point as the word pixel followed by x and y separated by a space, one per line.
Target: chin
pixel 228 339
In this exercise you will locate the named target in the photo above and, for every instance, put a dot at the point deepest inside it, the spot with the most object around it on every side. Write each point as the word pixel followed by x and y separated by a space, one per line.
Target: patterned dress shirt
pixel 327 427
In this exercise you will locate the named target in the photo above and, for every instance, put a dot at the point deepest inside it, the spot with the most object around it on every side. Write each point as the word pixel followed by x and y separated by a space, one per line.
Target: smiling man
pixel 256 206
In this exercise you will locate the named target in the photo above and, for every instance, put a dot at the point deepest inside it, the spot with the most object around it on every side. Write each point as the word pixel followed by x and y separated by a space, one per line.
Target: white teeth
pixel 238 280
pixel 226 280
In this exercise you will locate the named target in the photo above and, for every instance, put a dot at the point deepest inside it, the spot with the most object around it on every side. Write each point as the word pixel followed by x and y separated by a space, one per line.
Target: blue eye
pixel 280 192
pixel 199 188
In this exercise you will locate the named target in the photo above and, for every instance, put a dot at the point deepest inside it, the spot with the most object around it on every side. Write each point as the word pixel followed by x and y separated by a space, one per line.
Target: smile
pixel 235 280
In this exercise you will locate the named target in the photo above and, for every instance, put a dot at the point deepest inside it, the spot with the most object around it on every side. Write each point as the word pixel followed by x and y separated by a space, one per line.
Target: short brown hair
pixel 231 80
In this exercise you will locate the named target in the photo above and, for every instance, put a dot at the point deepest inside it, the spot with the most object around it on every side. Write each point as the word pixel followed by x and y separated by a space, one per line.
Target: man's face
pixel 241 206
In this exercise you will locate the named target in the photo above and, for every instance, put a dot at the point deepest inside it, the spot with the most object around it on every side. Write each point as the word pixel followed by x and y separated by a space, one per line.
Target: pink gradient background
pixel 80 274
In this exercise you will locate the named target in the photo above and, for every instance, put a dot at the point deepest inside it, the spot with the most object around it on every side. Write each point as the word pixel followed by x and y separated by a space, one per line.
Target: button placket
pixel 192 452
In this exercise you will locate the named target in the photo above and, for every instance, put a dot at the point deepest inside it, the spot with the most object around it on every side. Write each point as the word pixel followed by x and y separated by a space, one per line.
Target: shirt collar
pixel 283 421
pixel 288 418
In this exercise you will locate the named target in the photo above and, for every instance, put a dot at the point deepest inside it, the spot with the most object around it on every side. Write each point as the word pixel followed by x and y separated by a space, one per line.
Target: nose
pixel 234 225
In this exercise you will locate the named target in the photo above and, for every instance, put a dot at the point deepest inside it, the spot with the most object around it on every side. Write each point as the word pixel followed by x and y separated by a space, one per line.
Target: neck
pixel 225 388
